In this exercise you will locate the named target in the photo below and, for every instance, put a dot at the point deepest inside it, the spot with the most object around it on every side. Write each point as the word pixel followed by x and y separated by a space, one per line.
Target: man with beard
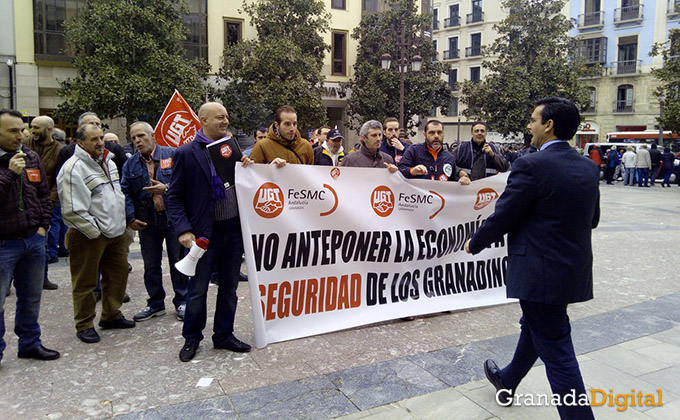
pixel 369 154
pixel 48 150
pixel 145 180
pixel 392 144
pixel 477 158
pixel 429 160
pixel 330 153
pixel 284 143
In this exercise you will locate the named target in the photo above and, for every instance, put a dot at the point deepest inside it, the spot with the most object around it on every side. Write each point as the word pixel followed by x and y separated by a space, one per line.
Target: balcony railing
pixel 589 20
pixel 451 54
pixel 474 17
pixel 625 67
pixel 628 14
pixel 451 22
pixel 624 106
pixel 672 8
pixel 473 51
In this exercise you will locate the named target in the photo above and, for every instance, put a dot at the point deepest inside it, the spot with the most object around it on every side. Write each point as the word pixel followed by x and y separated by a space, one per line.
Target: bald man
pixel 42 143
pixel 198 205
pixel 112 137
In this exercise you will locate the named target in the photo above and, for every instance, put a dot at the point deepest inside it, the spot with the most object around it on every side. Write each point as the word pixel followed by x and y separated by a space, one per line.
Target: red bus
pixel 669 138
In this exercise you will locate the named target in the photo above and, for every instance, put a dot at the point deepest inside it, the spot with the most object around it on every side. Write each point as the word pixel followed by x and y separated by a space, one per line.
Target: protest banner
pixel 330 248
pixel 178 124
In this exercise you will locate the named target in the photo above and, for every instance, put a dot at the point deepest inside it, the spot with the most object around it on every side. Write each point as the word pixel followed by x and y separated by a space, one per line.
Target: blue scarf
pixel 217 191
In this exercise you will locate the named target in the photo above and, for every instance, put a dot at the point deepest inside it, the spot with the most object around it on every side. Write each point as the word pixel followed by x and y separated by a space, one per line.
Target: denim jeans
pixel 151 243
pixel 224 251
pixel 643 177
pixel 54 233
pixel 25 259
pixel 629 177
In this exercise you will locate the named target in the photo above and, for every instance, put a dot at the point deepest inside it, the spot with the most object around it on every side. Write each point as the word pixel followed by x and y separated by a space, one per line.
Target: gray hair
pixel 58 134
pixel 146 125
pixel 368 125
pixel 83 115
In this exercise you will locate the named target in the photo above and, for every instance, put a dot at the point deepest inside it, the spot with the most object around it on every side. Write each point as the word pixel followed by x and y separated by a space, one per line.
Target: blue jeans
pixel 667 176
pixel 55 237
pixel 224 251
pixel 643 177
pixel 151 243
pixel 629 177
pixel 546 333
pixel 25 259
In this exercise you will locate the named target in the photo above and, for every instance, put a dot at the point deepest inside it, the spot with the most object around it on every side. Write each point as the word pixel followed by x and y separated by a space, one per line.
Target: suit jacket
pixel 189 204
pixel 548 209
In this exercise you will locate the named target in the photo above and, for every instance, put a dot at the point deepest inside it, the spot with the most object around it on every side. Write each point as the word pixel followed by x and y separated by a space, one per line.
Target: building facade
pixel 619 35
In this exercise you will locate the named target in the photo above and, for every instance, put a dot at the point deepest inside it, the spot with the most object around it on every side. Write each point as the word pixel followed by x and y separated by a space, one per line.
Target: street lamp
pixel 10 67
pixel 662 98
pixel 416 61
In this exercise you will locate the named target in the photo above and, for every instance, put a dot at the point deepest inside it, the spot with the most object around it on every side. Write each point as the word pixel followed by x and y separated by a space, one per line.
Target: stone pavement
pixel 627 338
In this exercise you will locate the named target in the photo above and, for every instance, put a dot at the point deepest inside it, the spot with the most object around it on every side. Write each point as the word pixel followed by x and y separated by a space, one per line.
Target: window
pixel 475 47
pixel 454 16
pixel 338 4
pixel 196 43
pixel 436 53
pixel 630 10
pixel 593 15
pixel 475 74
pixel 477 14
pixel 339 54
pixel 592 105
pixel 49 24
pixel 627 55
pixel 369 5
pixel 453 79
pixel 435 19
pixel 593 50
pixel 452 52
pixel 624 98
pixel 453 108
pixel 232 31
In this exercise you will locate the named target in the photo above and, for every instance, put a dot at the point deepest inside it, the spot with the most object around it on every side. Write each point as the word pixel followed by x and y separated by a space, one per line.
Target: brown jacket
pixel 296 151
pixel 48 153
pixel 365 159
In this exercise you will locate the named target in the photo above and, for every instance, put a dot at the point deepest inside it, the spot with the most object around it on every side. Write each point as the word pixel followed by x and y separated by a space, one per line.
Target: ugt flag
pixel 178 124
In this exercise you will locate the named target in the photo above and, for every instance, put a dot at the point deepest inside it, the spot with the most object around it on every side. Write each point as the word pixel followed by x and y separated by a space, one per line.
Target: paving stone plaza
pixel 627 339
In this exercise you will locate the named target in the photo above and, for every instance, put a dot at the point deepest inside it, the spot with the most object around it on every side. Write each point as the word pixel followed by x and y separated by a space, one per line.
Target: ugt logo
pixel 268 200
pixel 485 196
pixel 382 201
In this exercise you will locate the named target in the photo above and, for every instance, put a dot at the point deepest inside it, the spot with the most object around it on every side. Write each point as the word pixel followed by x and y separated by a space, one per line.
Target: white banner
pixel 334 248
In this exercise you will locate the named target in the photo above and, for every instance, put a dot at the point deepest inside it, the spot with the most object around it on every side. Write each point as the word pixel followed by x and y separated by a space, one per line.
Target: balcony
pixel 474 17
pixel 591 20
pixel 473 51
pixel 624 106
pixel 451 54
pixel 630 14
pixel 672 9
pixel 452 22
pixel 625 68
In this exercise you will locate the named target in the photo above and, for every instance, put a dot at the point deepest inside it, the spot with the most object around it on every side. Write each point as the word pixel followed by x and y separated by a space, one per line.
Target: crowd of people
pixel 641 167
pixel 87 199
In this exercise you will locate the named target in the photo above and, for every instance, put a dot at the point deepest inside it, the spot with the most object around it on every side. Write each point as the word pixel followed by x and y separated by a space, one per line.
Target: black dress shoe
pixel 126 298
pixel 493 374
pixel 119 323
pixel 39 353
pixel 233 344
pixel 242 277
pixel 52 260
pixel 188 351
pixel 88 336
pixel 48 285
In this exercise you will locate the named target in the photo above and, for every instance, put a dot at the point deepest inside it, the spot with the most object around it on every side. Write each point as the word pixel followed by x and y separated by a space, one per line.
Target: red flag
pixel 178 124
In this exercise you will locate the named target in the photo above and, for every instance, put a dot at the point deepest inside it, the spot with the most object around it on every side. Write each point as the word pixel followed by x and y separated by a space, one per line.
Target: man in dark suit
pixel 199 205
pixel 548 210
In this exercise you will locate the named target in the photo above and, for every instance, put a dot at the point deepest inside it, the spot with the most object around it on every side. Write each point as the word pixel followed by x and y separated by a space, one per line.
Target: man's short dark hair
pixel 286 108
pixel 390 119
pixel 260 129
pixel 12 112
pixel 564 114
pixel 479 123
pixel 436 122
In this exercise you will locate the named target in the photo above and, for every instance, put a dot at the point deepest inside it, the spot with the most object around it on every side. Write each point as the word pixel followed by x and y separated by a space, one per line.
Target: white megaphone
pixel 188 264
